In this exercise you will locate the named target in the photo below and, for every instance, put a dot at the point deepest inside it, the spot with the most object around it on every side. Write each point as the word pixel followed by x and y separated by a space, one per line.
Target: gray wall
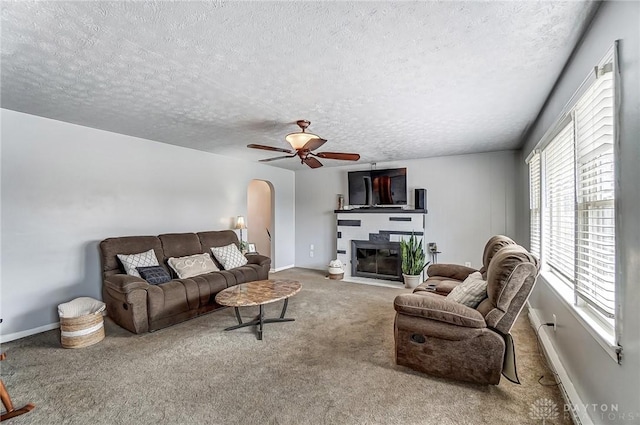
pixel 66 187
pixel 469 198
pixel 596 377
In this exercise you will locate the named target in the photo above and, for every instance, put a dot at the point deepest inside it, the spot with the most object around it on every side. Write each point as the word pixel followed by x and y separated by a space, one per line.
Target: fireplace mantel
pixel 379 211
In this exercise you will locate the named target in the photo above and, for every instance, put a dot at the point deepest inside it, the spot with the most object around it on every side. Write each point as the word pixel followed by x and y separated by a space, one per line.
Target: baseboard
pixel 569 393
pixel 279 269
pixel 28 332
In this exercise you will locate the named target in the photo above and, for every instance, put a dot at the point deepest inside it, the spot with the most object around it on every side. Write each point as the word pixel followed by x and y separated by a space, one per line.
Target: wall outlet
pixel 467 263
pixel 555 322
pixel 311 247
pixel 311 254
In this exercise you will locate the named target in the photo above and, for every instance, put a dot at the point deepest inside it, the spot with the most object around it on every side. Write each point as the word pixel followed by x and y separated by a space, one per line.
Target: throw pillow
pixel 192 265
pixel 142 259
pixel 154 274
pixel 229 256
pixel 470 292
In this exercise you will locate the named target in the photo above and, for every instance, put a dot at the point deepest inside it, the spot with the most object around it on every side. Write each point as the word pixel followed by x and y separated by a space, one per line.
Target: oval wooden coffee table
pixel 259 293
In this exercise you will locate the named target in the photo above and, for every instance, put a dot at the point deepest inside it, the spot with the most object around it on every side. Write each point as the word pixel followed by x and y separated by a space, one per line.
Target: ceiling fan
pixel 303 144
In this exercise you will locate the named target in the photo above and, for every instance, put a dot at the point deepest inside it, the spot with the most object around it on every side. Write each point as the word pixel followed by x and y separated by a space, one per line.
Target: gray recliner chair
pixel 448 276
pixel 444 338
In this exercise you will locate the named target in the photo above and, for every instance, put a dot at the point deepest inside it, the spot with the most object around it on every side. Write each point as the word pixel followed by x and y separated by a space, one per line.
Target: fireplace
pixel 376 259
pixel 368 242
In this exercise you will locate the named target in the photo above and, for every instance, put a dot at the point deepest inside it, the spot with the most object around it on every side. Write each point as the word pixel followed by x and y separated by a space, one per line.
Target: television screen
pixel 378 187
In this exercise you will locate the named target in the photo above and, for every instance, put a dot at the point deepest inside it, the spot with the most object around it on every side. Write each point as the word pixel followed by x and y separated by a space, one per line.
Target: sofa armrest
pixel 258 259
pixel 124 283
pixel 453 271
pixel 437 307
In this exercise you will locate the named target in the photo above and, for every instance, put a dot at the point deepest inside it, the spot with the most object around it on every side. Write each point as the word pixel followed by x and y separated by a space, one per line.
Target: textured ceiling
pixel 389 80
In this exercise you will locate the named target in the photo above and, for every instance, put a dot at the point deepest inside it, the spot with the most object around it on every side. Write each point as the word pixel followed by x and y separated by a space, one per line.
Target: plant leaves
pixel 412 256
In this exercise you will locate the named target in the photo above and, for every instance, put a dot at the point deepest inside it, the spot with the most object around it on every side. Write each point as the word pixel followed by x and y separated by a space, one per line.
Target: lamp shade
pixel 298 140
pixel 240 224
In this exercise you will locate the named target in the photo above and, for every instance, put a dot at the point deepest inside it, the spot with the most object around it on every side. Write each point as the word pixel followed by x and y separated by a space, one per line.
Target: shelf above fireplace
pixel 381 210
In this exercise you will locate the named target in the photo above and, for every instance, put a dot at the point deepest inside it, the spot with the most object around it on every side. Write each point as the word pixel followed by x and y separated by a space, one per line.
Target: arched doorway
pixel 260 213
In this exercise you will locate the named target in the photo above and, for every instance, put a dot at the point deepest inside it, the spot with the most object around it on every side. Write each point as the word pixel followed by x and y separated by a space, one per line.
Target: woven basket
pixel 81 323
pixel 83 331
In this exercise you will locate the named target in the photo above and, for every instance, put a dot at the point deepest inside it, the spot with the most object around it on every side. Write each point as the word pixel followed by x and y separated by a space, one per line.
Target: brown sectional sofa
pixel 140 307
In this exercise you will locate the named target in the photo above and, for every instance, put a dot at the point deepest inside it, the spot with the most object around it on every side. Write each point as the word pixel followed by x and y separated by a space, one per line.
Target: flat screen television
pixel 378 187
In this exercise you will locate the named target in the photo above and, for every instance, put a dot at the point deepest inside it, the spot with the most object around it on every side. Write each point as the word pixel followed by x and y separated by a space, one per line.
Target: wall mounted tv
pixel 378 187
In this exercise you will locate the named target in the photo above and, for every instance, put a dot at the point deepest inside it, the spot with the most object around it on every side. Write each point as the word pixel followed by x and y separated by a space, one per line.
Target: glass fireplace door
pixel 378 260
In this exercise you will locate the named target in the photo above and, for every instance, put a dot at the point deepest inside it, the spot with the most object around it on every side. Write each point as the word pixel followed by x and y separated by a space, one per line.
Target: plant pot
pixel 411 280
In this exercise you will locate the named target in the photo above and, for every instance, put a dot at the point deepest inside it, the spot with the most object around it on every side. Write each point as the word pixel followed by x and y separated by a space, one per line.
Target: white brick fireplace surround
pixel 379 226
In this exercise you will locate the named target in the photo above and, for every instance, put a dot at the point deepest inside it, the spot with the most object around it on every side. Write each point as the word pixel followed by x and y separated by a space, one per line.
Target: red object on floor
pixel 8 405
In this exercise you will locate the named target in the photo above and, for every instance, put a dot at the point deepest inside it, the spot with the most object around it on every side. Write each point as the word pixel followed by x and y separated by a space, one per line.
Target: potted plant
pixel 413 261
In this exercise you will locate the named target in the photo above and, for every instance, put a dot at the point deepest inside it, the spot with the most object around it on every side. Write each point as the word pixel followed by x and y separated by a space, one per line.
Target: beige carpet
pixel 333 365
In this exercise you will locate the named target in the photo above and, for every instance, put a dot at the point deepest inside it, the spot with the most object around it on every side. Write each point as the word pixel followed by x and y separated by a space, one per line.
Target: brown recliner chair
pixel 445 277
pixel 448 339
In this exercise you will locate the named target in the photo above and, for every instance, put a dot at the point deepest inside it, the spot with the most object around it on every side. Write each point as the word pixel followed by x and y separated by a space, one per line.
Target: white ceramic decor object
pixel 336 270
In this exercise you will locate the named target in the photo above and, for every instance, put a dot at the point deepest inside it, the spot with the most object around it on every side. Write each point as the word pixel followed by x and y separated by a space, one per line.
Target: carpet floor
pixel 333 365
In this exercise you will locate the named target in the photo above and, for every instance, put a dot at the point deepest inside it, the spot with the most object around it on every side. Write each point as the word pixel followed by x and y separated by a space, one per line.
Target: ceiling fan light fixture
pixel 298 140
pixel 303 145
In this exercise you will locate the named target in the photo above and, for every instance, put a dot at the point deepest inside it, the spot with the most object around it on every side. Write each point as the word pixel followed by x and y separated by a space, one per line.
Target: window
pixel 595 235
pixel 559 199
pixel 534 203
pixel 572 198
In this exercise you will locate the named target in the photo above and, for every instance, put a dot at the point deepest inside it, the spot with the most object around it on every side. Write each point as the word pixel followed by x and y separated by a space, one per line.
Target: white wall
pixel 596 377
pixel 469 198
pixel 66 187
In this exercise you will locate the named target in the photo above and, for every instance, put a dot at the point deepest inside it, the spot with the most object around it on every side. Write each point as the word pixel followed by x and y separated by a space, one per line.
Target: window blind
pixel 534 203
pixel 559 191
pixel 572 194
pixel 595 235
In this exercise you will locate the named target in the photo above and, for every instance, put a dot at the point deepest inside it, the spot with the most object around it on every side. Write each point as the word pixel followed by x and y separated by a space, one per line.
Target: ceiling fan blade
pixel 268 148
pixel 277 157
pixel 339 155
pixel 312 162
pixel 314 144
